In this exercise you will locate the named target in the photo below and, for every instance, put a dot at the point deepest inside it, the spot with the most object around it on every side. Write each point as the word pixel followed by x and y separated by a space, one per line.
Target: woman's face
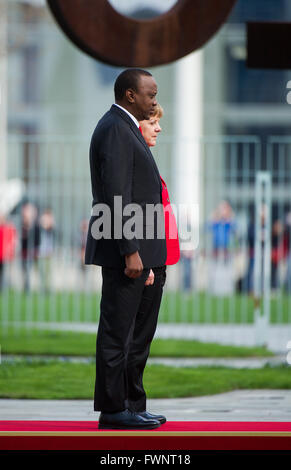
pixel 150 129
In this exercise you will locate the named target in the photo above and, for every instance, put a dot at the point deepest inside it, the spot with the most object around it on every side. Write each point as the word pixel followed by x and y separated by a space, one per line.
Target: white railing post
pixel 262 268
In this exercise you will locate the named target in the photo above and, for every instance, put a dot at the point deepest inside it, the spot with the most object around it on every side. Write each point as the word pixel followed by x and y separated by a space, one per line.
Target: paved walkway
pixel 237 363
pixel 277 336
pixel 240 405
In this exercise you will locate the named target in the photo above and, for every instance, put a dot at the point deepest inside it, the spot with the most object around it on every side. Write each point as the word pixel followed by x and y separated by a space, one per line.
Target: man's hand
pixel 151 278
pixel 134 266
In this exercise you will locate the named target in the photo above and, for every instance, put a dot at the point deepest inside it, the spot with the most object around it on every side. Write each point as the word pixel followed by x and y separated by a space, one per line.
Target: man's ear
pixel 130 95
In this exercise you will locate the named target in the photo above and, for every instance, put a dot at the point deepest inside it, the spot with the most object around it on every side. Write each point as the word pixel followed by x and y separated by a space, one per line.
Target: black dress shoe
pixel 126 420
pixel 147 415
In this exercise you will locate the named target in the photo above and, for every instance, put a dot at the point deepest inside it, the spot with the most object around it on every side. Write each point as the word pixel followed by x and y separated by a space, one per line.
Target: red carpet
pixel 173 435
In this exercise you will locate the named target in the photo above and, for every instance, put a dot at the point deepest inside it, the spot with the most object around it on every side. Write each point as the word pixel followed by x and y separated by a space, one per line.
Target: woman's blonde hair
pixel 159 112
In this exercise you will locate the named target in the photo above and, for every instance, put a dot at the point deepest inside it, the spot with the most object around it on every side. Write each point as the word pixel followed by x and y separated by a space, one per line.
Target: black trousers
pixel 128 319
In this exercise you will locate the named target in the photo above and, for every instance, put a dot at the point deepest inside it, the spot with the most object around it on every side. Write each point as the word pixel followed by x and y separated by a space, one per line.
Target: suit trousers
pixel 128 319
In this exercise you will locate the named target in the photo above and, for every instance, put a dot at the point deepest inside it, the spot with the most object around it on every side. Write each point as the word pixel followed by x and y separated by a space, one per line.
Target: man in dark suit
pixel 123 170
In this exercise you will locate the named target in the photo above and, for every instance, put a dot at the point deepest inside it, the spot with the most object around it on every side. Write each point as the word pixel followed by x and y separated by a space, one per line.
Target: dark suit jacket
pixel 122 165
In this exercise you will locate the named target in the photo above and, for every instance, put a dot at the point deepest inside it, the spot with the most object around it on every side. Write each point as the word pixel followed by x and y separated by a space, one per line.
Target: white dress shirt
pixel 130 115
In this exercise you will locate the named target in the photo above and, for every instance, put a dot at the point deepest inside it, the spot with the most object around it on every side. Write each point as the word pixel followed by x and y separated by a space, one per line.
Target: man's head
pixel 135 90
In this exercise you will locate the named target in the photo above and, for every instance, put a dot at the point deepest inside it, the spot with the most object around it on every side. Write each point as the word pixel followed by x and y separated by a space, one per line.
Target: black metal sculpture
pixel 100 31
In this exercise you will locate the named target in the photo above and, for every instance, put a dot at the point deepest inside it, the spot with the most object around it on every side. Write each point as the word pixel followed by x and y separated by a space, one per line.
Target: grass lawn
pixel 64 380
pixel 57 343
pixel 176 307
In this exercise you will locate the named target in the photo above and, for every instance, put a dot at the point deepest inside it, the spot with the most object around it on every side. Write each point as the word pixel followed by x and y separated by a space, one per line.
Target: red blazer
pixel 172 239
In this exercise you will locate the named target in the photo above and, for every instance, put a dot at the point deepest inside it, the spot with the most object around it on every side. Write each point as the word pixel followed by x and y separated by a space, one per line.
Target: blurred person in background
pixel 8 239
pixel 30 241
pixel 223 229
pixel 287 252
pixel 277 252
pixel 248 283
pixel 46 247
pixel 187 254
pixel 222 226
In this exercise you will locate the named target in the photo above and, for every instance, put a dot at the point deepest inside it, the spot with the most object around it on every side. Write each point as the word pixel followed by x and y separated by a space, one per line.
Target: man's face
pixel 145 97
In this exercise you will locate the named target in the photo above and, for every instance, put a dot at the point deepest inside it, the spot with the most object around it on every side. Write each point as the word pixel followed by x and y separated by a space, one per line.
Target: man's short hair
pixel 129 78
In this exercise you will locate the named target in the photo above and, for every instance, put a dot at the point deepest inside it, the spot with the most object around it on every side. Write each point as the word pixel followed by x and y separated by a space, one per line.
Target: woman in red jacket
pixel 150 130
